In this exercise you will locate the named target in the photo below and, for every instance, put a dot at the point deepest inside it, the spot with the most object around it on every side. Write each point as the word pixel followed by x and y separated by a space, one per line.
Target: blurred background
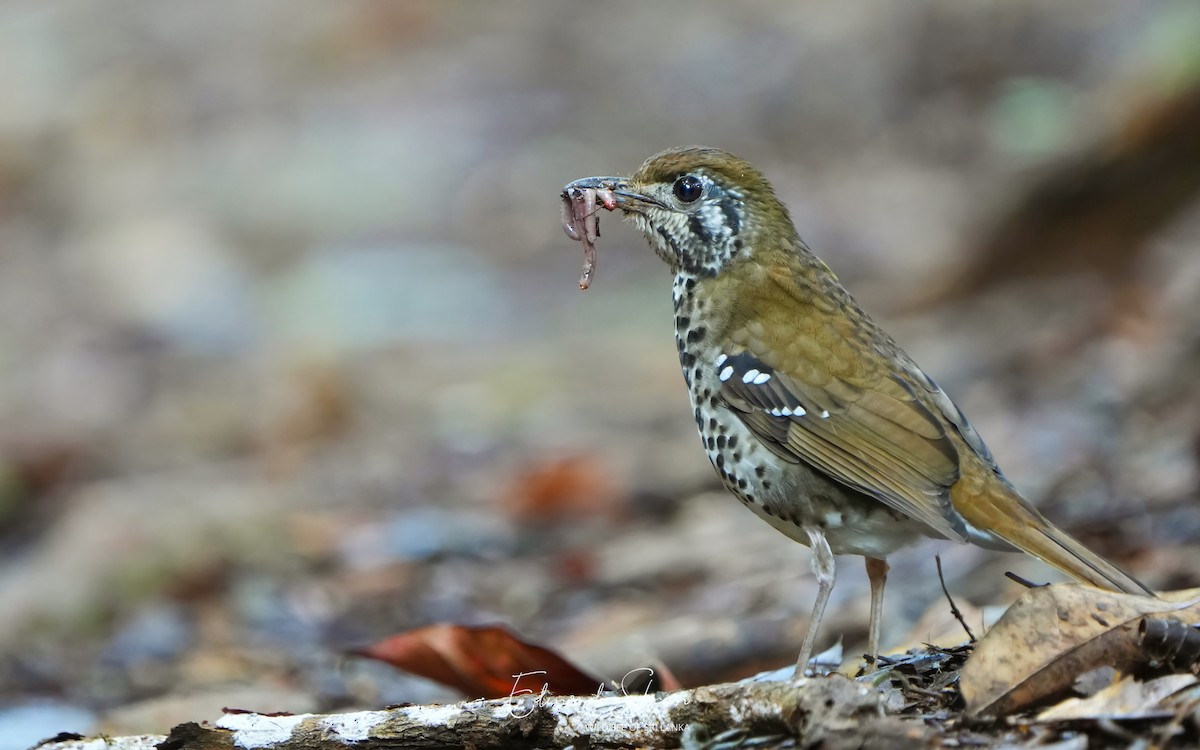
pixel 292 355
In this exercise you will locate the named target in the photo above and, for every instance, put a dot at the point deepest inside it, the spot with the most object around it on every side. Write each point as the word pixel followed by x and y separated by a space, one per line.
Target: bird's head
pixel 699 208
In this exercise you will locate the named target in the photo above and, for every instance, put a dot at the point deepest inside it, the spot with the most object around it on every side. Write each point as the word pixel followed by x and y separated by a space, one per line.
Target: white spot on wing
pixel 824 414
pixel 762 378
pixel 721 359
pixel 726 373
pixel 750 375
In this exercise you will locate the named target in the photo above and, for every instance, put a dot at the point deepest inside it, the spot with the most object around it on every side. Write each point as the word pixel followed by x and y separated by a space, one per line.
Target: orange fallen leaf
pixel 565 488
pixel 483 661
pixel 1053 634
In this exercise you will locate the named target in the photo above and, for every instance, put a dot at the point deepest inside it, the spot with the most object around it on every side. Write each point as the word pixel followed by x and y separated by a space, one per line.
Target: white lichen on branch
pixel 832 709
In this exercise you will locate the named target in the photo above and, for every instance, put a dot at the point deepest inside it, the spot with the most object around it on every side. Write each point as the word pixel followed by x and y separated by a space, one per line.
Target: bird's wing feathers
pixel 948 409
pixel 876 436
pixel 880 441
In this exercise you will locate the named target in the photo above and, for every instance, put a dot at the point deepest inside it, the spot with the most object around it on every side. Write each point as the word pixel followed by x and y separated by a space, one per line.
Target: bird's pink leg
pixel 824 569
pixel 877 571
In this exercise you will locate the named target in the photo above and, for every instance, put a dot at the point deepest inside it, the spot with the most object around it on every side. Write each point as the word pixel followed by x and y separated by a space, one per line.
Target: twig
pixel 953 607
pixel 1023 581
pixel 831 711
pixel 907 686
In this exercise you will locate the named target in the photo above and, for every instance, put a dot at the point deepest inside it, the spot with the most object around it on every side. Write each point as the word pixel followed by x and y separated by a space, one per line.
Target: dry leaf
pixel 485 661
pixel 565 488
pixel 1124 699
pixel 1053 634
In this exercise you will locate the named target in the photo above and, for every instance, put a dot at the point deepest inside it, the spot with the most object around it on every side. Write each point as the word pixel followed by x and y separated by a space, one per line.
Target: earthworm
pixel 581 222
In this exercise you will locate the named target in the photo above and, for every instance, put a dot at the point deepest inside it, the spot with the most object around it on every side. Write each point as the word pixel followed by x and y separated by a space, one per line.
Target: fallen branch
pixel 830 712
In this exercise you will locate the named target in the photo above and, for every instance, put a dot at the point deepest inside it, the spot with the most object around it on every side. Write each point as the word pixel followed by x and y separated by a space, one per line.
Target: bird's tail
pixel 1002 511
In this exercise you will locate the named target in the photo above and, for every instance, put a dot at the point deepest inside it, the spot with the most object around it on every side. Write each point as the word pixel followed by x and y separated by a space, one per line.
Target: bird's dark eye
pixel 688 188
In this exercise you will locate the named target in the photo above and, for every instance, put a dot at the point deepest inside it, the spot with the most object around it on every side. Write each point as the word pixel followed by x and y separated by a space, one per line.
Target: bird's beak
pixel 619 187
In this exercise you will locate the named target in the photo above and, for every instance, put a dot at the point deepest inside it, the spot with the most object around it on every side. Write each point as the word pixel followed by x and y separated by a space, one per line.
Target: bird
pixel 812 415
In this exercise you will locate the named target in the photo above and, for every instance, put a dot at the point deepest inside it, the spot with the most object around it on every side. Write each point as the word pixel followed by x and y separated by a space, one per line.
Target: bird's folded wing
pixel 875 436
